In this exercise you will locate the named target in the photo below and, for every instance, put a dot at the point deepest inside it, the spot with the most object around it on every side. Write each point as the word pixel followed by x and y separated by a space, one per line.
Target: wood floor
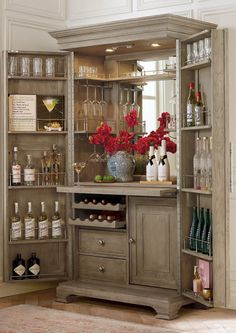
pixel 190 319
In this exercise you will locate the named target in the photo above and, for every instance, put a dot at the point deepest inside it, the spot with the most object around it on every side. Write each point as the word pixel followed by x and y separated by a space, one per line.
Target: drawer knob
pixel 101 242
pixel 131 240
pixel 101 269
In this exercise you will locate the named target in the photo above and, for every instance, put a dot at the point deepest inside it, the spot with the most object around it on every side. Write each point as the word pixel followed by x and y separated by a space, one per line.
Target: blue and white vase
pixel 121 166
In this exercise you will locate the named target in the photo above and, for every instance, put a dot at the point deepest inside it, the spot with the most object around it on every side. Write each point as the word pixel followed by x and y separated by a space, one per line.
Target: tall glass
pixel 37 67
pixel 25 66
pixel 50 67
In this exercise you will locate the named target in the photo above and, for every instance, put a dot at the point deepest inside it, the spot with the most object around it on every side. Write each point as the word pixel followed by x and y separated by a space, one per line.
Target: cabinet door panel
pixel 154 249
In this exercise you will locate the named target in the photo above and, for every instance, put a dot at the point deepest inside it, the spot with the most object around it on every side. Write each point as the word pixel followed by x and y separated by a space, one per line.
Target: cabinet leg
pixel 167 313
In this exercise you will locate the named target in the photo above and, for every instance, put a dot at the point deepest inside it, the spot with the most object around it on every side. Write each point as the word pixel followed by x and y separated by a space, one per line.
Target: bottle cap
pixel 15 149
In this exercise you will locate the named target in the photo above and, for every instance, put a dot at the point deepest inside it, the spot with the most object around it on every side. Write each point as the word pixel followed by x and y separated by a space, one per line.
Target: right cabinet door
pixel 153 241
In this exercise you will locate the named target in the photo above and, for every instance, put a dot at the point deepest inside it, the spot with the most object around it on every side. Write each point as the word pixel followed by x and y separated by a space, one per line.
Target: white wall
pixel 220 12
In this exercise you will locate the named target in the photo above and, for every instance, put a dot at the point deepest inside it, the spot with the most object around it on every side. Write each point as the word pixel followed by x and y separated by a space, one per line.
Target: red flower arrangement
pixel 125 140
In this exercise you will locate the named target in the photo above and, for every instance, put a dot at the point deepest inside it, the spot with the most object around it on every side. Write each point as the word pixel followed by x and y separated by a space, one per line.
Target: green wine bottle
pixel 199 231
pixel 209 241
pixel 205 231
pixel 193 230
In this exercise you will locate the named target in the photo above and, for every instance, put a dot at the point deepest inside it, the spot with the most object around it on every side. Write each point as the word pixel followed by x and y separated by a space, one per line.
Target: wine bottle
pixel 151 168
pixel 94 201
pixel 196 165
pixel 15 169
pixel 29 223
pixel 205 232
pixel 86 200
pixel 57 223
pixel 16 224
pixel 92 217
pixel 163 166
pixel 43 223
pixel 193 230
pixel 199 230
pixel 33 267
pixel 18 268
pixel 198 110
pixel 191 101
pixel 197 282
pixel 29 172
pixel 46 166
pixel 209 241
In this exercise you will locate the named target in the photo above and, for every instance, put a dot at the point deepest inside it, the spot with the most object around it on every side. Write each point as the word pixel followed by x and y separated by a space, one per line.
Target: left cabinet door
pixel 36 122
pixel 153 242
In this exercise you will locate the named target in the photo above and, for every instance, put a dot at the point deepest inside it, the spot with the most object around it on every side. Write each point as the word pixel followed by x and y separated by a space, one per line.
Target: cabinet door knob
pixel 101 242
pixel 101 269
pixel 131 240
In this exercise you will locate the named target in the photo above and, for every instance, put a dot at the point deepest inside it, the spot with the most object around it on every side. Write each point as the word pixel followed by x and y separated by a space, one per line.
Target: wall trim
pixel 152 4
pixel 203 13
pixel 58 14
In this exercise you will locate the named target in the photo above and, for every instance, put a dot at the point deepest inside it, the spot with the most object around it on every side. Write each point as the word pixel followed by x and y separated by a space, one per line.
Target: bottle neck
pixel 29 208
pixel 42 207
pixel 16 208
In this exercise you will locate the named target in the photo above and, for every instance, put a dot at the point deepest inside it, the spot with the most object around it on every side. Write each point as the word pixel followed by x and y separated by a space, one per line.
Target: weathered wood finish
pixel 153 245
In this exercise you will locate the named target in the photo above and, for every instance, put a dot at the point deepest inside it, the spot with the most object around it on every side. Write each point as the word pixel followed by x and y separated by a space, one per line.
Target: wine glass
pixel 95 104
pixel 78 167
pixel 134 105
pixel 86 104
pixel 102 104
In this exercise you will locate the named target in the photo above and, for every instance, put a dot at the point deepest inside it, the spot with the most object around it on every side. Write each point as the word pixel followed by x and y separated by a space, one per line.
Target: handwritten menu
pixel 22 113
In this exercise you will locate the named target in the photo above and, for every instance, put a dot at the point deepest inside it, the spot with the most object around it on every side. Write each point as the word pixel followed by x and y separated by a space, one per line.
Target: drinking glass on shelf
pixel 134 105
pixel 12 66
pixel 195 52
pixel 78 167
pixel 25 66
pixel 95 104
pixel 189 54
pixel 102 104
pixel 201 51
pixel 207 48
pixel 126 107
pixel 86 104
pixel 50 67
pixel 37 66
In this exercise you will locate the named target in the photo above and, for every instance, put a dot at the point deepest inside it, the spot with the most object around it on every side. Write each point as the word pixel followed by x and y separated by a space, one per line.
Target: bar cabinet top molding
pixel 166 26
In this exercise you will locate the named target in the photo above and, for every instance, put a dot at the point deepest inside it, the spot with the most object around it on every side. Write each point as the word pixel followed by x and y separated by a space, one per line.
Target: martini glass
pixel 78 167
pixel 50 103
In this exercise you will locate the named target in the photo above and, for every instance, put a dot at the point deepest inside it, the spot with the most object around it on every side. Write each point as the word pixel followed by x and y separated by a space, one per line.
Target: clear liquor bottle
pixel 58 227
pixel 29 172
pixel 209 166
pixel 29 223
pixel 55 165
pixel 203 163
pixel 15 169
pixel 163 166
pixel 46 168
pixel 16 224
pixel 43 223
pixel 151 168
pixel 196 164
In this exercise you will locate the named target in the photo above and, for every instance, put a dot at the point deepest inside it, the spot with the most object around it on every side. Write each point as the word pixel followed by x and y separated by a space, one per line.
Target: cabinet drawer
pixel 102 242
pixel 102 269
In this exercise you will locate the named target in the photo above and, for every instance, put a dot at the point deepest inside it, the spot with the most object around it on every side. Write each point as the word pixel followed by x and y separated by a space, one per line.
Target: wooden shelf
pixel 39 132
pixel 37 241
pixel 192 190
pixel 197 254
pixel 198 65
pixel 99 206
pixel 41 78
pixel 42 278
pixel 96 223
pixel 196 128
pixel 197 298
pixel 33 187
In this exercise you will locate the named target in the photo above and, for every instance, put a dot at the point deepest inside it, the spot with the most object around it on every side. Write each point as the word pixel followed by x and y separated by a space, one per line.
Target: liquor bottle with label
pixel 43 223
pixel 55 165
pixel 18 268
pixel 199 230
pixel 193 230
pixel 29 172
pixel 198 119
pixel 15 169
pixel 203 163
pixel 46 168
pixel 163 166
pixel 196 165
pixel 197 282
pixel 57 223
pixel 16 224
pixel 209 166
pixel 191 101
pixel 30 224
pixel 205 231
pixel 151 168
pixel 33 267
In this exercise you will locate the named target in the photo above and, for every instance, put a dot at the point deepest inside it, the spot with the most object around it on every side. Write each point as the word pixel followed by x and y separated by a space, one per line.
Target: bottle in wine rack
pixel 57 223
pixel 33 267
pixel 46 166
pixel 16 224
pixel 43 223
pixel 92 217
pixel 29 223
pixel 193 230
pixel 86 200
pixel 18 268
pixel 94 201
pixel 29 172
pixel 205 231
pixel 199 230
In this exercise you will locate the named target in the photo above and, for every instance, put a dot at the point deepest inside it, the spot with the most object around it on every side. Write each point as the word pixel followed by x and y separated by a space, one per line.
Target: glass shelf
pixel 192 190
pixel 198 65
pixel 197 298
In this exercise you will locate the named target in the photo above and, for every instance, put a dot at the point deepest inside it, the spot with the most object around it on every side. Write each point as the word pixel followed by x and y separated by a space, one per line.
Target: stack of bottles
pixel 50 169
pixel 202 164
pixel 22 269
pixel 200 233
pixel 29 228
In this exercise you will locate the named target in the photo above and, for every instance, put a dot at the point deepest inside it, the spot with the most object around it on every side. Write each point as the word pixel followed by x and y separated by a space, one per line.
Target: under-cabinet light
pixel 155 44
pixel 110 50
